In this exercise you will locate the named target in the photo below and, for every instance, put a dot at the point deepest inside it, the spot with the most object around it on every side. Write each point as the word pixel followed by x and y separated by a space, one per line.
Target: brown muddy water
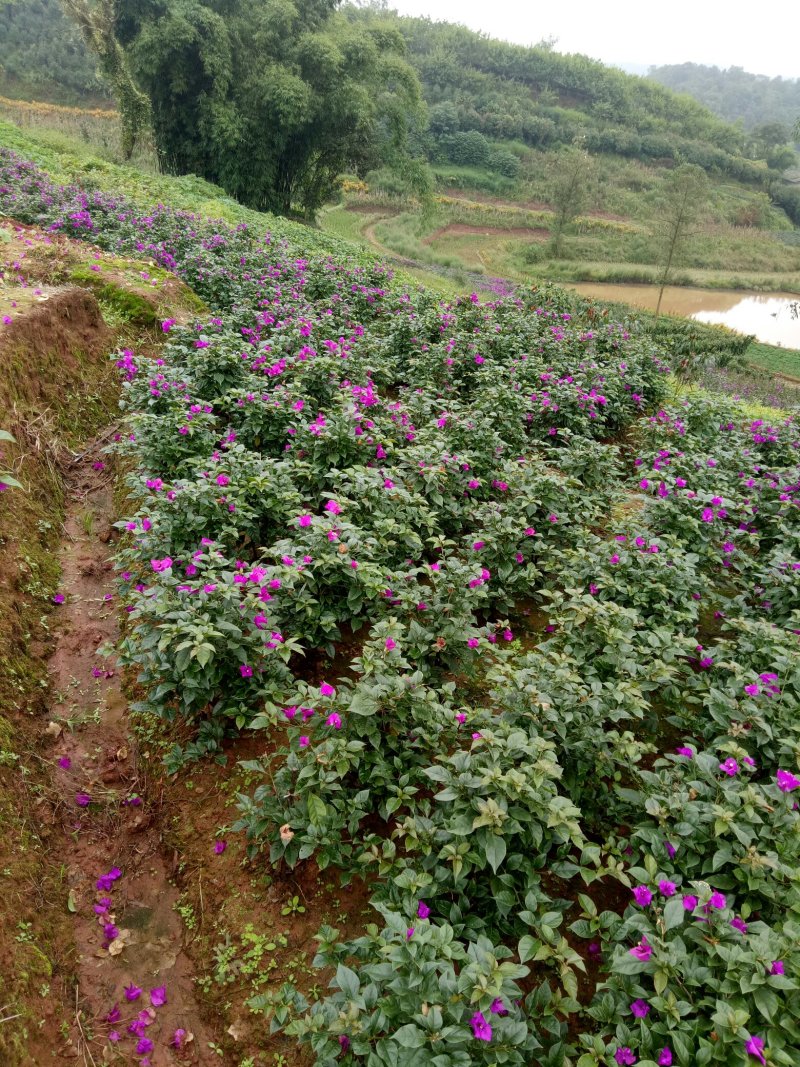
pixel 767 315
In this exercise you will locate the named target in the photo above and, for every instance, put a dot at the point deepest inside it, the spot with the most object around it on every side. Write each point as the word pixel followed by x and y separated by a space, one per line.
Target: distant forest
pixel 735 95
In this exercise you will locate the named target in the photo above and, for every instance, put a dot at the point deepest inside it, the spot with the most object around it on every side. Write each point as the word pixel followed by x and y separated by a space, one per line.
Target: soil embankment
pixel 86 900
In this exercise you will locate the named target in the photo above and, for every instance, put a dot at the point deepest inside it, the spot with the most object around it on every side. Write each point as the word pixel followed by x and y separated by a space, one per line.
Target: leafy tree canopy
pixel 272 99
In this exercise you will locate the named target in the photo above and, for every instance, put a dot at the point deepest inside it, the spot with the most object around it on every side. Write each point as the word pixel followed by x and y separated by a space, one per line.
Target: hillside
pixel 510 95
pixel 447 701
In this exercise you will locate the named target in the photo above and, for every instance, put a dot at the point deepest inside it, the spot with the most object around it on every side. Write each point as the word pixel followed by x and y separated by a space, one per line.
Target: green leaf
pixel 347 981
pixel 673 912
pixel 317 810
pixel 495 850
pixel 527 947
pixel 409 1036
pixel 766 1002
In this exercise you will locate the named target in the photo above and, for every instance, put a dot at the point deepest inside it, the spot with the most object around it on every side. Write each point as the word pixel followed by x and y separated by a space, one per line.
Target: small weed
pixel 25 935
pixel 293 907
pixel 186 912
pixel 86 519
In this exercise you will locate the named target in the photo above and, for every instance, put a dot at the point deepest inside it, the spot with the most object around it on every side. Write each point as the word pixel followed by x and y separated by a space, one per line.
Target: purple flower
pixel 246 671
pixel 409 933
pixel 498 1007
pixel 58 598
pixel 143 1046
pixel 326 690
pixel 83 800
pixel 729 767
pixel 787 781
pixel 65 763
pixel 132 992
pixel 777 967
pixel 717 900
pixel 755 1047
pixel 624 1056
pixel 344 1041
pixel 178 1038
pixel 689 902
pixel 739 924
pixel 667 888
pixel 665 1057
pixel 481 1030
pixel 158 996
pixel 642 952
pixel 423 911
pixel 114 1015
pixel 106 881
pixel 684 750
pixel 220 846
pixel 642 895
pixel 110 931
pixel 752 689
pixel 640 1008
pixel 334 720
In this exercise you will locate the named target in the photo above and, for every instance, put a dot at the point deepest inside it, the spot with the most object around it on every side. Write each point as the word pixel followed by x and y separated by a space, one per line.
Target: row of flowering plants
pixel 564 746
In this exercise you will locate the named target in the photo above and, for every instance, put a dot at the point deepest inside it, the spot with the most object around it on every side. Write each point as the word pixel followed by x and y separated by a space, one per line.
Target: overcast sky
pixel 761 38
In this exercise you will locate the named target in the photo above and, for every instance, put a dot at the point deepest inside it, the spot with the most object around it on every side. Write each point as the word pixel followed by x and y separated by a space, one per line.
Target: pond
pixel 767 315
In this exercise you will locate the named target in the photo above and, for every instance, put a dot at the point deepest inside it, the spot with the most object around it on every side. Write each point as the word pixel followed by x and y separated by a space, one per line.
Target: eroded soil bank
pixel 74 803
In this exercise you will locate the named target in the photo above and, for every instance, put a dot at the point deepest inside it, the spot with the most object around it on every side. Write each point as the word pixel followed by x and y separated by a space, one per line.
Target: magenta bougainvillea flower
pixel 220 846
pixel 481 1030
pixel 642 895
pixel 158 996
pixel 132 992
pixel 787 782
pixel 754 1047
pixel 643 951
pixel 106 881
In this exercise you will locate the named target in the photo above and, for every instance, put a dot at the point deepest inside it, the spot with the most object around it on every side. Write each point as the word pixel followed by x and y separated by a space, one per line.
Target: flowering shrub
pixel 473 573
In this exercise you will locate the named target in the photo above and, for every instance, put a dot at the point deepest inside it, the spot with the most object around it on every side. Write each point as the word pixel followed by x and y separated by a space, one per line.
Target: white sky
pixel 762 40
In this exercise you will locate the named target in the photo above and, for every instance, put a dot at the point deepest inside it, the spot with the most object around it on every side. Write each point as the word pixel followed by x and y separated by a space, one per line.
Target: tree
pixel 271 99
pixel 96 21
pixel 569 191
pixel 685 196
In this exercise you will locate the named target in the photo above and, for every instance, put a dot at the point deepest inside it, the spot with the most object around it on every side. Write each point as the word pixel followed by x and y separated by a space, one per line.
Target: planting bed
pixel 505 634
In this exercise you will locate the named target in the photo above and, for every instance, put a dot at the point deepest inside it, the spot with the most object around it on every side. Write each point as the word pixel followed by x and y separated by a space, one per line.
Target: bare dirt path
pixel 128 936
